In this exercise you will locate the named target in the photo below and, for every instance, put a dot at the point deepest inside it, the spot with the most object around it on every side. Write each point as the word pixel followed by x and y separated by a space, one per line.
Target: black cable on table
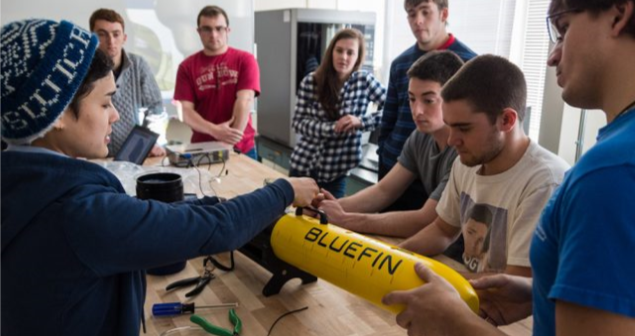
pixel 284 315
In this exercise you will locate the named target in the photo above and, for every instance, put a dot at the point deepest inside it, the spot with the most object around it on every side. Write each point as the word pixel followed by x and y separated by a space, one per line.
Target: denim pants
pixel 336 187
pixel 253 153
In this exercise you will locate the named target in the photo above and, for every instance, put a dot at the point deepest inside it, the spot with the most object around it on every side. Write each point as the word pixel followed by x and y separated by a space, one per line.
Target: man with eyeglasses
pixel 216 87
pixel 582 249
pixel 136 86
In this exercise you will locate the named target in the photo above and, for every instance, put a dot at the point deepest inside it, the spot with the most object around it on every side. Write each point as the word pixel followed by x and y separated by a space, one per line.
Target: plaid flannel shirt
pixel 320 149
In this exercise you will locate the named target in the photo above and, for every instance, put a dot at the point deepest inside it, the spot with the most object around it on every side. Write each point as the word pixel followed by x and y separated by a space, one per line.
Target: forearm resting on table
pixel 432 240
pixel 402 224
pixel 379 196
pixel 510 269
pixel 368 200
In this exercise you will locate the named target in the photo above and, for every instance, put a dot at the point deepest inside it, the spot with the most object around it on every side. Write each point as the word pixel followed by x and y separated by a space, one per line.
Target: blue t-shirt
pixel 582 249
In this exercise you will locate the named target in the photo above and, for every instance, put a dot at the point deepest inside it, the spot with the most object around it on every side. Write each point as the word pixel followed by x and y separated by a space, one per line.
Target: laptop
pixel 198 153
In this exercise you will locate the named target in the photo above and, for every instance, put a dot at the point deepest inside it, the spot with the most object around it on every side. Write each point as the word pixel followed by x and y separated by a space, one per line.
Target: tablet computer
pixel 137 146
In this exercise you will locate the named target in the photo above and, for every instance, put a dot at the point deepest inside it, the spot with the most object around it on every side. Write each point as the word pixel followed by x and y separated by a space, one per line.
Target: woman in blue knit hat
pixel 74 245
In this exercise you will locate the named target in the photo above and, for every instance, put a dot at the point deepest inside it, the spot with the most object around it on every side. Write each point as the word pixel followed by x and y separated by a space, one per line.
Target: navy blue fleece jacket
pixel 74 245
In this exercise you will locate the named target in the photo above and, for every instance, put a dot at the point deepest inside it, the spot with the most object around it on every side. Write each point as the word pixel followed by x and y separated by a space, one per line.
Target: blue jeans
pixel 336 187
pixel 253 153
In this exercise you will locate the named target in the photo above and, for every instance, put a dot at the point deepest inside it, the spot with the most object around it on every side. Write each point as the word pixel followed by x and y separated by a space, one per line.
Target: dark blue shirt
pixel 396 123
pixel 74 245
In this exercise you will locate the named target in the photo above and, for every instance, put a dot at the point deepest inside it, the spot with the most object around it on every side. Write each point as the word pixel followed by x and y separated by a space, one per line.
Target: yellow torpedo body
pixel 356 263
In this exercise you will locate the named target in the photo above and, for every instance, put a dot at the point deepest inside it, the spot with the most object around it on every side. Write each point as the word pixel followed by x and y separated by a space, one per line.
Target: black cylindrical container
pixel 164 187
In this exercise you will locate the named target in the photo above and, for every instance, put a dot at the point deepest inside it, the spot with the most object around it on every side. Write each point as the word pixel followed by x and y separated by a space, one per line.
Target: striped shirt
pixel 396 123
pixel 322 151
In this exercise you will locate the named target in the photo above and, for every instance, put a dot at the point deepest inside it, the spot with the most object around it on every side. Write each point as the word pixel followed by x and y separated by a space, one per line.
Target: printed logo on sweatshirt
pixel 216 76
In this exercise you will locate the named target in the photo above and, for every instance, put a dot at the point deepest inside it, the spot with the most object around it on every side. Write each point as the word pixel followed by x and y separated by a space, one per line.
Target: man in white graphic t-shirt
pixel 498 167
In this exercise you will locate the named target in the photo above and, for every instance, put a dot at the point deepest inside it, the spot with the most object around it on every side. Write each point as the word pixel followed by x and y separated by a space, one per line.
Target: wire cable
pixel 285 315
pixel 221 266
pixel 220 173
pixel 190 164
pixel 163 161
pixel 201 157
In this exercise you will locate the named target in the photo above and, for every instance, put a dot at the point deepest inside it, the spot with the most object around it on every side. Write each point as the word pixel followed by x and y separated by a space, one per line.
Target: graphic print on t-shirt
pixel 215 76
pixel 484 229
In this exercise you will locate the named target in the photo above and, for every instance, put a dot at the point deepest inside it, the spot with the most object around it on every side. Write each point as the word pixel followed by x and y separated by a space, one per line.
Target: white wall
pixel 398 35
pixel 595 120
pixel 162 31
pixel 262 5
pixel 570 128
pixel 560 124
pixel 178 17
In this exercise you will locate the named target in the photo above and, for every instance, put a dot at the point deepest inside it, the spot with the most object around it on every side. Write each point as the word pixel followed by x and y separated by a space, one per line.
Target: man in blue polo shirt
pixel 582 249
pixel 427 20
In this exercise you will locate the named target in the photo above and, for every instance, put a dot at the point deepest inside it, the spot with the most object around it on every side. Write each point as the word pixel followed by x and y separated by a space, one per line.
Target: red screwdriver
pixel 178 308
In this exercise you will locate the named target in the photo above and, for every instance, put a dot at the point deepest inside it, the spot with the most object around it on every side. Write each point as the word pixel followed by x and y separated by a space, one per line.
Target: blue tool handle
pixel 171 309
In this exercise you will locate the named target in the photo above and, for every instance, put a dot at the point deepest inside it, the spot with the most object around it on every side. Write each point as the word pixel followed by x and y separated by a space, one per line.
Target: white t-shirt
pixel 497 214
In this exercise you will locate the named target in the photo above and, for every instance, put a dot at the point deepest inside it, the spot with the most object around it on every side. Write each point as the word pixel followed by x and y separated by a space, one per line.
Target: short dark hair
pixel 437 66
pixel 594 7
pixel 211 11
pixel 414 3
pixel 482 214
pixel 100 67
pixel 106 15
pixel 489 84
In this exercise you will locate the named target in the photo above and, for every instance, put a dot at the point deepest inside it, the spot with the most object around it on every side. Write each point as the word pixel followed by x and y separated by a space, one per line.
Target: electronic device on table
pixel 137 145
pixel 198 153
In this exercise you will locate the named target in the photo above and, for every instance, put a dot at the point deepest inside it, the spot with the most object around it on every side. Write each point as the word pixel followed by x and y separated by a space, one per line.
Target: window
pixel 510 28
pixel 533 53
pixel 485 26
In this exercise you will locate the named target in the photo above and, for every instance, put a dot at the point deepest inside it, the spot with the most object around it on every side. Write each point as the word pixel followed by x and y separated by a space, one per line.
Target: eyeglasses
pixel 208 30
pixel 555 33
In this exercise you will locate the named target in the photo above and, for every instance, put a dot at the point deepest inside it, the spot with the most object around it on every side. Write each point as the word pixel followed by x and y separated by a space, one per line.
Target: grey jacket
pixel 136 88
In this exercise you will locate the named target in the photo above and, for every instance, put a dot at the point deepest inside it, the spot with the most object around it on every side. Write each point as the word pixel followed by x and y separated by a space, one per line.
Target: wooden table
pixel 331 312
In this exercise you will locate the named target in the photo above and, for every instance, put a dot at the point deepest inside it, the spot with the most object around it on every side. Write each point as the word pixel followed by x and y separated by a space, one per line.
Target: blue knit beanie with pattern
pixel 43 64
